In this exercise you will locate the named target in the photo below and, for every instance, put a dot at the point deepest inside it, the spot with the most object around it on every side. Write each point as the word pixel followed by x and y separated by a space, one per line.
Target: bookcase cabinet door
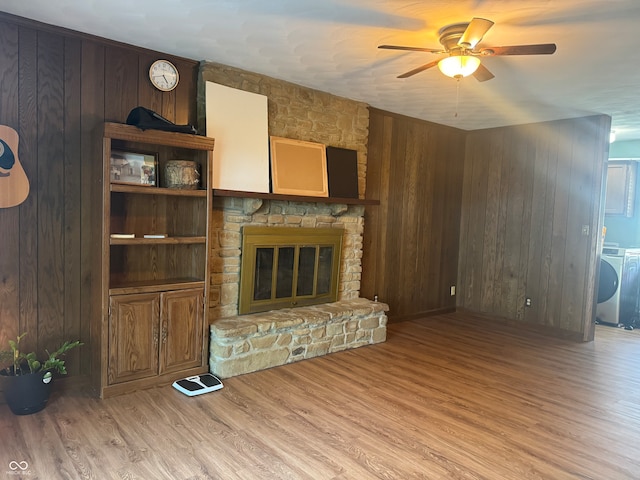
pixel 133 336
pixel 181 317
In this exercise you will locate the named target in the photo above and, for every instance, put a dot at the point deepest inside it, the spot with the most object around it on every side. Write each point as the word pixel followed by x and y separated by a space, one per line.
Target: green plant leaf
pixel 53 363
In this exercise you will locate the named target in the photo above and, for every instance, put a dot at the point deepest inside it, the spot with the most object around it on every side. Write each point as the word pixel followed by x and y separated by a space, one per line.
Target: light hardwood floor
pixel 446 397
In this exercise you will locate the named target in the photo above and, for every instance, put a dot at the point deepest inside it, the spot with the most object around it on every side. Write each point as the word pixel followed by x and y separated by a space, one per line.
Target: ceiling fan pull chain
pixel 457 96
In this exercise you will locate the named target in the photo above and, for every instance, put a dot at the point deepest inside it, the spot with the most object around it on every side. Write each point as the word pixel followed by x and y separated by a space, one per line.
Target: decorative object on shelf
pixel 27 381
pixel 123 235
pixel 184 174
pixel 133 168
pixel 146 119
pixel 298 167
pixel 342 172
pixel 14 184
pixel 155 235
pixel 164 75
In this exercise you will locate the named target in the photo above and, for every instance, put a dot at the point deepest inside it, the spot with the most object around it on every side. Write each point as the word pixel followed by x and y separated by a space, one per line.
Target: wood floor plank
pixel 446 397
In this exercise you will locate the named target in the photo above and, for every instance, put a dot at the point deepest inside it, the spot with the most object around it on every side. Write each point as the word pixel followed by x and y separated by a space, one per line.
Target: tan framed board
pixel 298 167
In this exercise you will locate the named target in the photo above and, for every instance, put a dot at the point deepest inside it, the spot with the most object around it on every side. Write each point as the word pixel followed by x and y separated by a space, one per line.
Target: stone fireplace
pixel 245 343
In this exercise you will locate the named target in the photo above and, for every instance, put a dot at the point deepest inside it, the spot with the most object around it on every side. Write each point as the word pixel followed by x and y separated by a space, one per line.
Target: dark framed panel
pixel 342 172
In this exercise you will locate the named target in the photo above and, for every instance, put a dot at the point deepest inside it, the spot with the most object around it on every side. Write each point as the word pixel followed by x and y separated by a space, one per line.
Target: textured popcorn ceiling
pixel 331 45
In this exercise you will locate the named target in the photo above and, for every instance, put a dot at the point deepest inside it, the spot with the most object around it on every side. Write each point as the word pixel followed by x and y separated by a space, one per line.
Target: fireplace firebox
pixel 286 267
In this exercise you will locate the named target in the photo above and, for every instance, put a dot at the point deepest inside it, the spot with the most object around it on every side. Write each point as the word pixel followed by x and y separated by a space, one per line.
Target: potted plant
pixel 27 382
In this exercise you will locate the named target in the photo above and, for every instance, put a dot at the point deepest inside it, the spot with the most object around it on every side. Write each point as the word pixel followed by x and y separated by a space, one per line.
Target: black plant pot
pixel 26 394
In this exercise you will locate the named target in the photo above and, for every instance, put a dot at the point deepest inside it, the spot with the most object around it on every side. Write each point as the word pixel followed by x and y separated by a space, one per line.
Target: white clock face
pixel 164 75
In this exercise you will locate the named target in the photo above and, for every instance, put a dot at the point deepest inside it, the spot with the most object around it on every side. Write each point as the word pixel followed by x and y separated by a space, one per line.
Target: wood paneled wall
pixel 515 217
pixel 58 87
pixel 527 193
pixel 410 258
pixel 531 217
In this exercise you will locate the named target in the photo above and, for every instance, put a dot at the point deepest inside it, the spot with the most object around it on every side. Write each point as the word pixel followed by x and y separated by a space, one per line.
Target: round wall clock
pixel 164 75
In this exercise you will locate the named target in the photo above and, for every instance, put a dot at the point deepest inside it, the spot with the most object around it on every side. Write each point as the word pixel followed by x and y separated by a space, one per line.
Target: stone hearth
pixel 254 342
pixel 246 343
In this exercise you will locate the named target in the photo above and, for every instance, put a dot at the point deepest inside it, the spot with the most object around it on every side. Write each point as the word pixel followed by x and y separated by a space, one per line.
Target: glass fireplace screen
pixel 288 267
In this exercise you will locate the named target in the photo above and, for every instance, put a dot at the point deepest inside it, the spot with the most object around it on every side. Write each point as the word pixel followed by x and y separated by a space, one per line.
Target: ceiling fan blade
pixel 419 69
pixel 540 49
pixel 477 29
pixel 413 49
pixel 482 74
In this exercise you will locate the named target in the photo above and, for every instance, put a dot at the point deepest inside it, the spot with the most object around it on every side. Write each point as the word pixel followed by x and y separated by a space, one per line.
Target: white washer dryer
pixel 619 286
pixel 611 263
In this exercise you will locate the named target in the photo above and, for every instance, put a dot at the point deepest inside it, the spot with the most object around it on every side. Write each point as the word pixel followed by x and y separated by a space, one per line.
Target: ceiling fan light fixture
pixel 458 66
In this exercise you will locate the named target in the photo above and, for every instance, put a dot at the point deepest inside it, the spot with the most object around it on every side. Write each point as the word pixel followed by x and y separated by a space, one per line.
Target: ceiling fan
pixel 460 41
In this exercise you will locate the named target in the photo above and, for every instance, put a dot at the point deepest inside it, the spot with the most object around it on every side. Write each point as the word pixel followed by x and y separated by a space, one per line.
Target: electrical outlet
pixel 453 290
pixel 527 302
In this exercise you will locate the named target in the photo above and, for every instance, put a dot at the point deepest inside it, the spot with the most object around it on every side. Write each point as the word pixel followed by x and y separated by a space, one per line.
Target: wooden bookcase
pixel 155 291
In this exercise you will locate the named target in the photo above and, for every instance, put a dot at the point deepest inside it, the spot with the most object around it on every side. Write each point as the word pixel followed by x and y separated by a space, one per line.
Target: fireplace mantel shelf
pixel 293 198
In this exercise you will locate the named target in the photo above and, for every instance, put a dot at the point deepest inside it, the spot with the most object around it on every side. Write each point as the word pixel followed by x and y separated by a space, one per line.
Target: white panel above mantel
pixel 238 120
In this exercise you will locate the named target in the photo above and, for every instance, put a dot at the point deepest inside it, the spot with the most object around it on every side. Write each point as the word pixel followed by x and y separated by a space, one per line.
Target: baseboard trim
pixel 415 316
pixel 545 330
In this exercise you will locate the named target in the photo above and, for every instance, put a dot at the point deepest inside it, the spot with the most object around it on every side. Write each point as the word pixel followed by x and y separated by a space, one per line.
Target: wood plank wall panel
pixel 528 192
pixel 527 199
pixel 400 212
pixel 559 230
pixel 493 151
pixel 185 102
pixel 122 72
pixel 476 179
pixel 93 80
pixel 600 133
pixel 9 217
pixel 447 184
pixel 411 240
pixel 28 149
pixel 542 193
pixel 50 189
pixel 58 88
pixel 372 243
pixel 72 246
